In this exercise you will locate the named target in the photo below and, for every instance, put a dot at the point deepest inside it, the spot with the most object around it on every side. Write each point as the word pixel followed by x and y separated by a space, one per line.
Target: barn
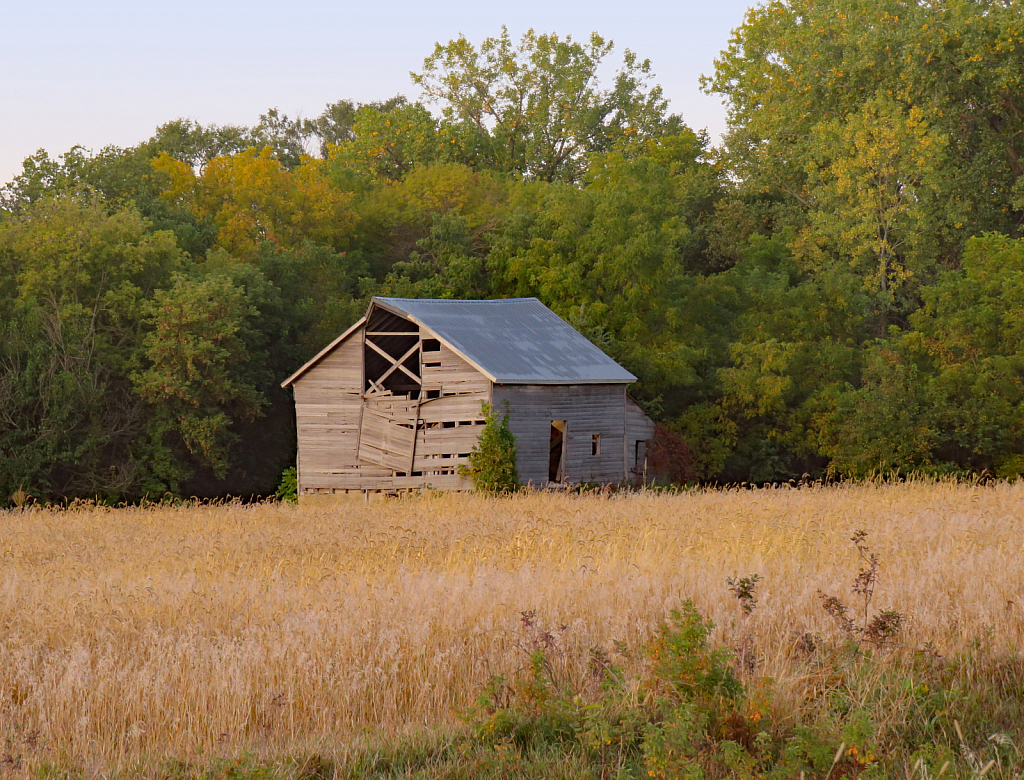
pixel 394 403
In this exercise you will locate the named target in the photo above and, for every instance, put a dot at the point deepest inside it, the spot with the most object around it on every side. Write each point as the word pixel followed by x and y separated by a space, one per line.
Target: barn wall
pixel 587 409
pixel 337 423
pixel 328 403
pixel 334 425
pixel 450 423
pixel 639 428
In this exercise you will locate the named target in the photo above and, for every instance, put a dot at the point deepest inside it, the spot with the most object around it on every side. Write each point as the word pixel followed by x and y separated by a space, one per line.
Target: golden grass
pixel 133 635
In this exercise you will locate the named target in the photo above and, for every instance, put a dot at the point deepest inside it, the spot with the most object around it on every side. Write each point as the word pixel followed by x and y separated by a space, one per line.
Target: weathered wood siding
pixel 328 406
pixel 388 432
pixel 587 410
pixel 450 412
pixel 447 371
pixel 350 440
pixel 639 428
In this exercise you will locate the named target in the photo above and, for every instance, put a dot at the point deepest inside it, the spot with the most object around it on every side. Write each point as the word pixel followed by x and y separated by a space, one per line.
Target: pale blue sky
pixel 97 72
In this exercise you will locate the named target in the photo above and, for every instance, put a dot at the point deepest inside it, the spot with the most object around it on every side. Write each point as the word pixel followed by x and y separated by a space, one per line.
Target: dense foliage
pixel 837 289
pixel 492 463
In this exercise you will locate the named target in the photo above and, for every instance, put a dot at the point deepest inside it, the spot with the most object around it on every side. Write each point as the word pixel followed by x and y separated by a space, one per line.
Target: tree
pixel 617 253
pixel 537 109
pixel 875 185
pixel 492 463
pixel 253 198
pixel 335 125
pixel 947 394
pixel 198 378
pixel 385 144
pixel 795 338
pixel 75 277
pixel 800 75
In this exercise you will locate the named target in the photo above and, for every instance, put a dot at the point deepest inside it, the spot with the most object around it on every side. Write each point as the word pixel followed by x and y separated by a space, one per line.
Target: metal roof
pixel 513 340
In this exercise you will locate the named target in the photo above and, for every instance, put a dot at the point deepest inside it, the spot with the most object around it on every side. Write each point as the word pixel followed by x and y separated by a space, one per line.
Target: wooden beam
pixel 393 333
pixel 395 364
pixel 415 433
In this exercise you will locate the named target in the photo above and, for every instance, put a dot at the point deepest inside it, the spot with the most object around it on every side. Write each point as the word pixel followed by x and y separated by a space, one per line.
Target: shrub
pixel 288 488
pixel 670 458
pixel 492 463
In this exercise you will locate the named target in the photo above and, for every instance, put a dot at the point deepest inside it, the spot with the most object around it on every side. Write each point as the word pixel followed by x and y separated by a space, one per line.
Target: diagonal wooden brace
pixel 395 364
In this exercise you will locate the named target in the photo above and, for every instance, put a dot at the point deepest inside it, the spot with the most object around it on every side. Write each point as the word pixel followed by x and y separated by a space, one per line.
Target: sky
pixel 100 72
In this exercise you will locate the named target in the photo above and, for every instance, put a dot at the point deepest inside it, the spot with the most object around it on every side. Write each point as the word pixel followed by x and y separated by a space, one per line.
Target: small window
pixel 431 345
pixel 431 365
pixel 595 444
pixel 449 425
pixel 433 393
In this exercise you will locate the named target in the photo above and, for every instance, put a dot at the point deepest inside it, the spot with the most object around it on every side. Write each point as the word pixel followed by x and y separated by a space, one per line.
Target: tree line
pixel 837 289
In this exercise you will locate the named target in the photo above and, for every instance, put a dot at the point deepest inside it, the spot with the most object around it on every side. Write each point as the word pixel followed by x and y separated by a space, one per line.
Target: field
pixel 273 636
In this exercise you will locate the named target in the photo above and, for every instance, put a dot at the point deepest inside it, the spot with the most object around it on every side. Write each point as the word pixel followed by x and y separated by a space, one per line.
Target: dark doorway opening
pixel 556 453
pixel 640 456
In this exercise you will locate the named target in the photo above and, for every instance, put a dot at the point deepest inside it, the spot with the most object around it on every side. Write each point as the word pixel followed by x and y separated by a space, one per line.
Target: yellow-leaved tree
pixel 253 198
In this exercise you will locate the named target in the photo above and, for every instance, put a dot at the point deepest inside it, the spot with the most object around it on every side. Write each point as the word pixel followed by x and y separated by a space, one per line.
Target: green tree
pixel 812 86
pixel 75 278
pixel 537 109
pixel 948 394
pixel 492 463
pixel 385 143
pixel 875 187
pixel 617 256
pixel 198 378
pixel 795 336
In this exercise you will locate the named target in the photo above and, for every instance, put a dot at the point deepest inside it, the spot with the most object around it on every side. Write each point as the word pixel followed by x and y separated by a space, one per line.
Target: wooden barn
pixel 394 403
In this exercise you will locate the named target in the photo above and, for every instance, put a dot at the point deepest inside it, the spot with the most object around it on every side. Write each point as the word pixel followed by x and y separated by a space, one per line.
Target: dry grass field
pixel 136 634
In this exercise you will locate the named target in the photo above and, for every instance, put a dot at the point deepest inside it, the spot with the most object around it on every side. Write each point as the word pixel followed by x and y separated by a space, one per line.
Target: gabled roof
pixel 511 340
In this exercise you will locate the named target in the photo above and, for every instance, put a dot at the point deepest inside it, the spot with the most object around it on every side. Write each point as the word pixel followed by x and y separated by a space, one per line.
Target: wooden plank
pixel 448 369
pixel 327 403
pixel 415 427
pixel 452 409
pixel 339 423
pixel 387 434
pixel 450 441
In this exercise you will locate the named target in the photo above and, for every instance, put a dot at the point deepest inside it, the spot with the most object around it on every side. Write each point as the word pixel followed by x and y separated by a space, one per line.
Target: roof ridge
pixel 458 300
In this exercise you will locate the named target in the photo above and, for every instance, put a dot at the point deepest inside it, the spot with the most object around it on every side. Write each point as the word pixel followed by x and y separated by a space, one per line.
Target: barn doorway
pixel 556 453
pixel 640 457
